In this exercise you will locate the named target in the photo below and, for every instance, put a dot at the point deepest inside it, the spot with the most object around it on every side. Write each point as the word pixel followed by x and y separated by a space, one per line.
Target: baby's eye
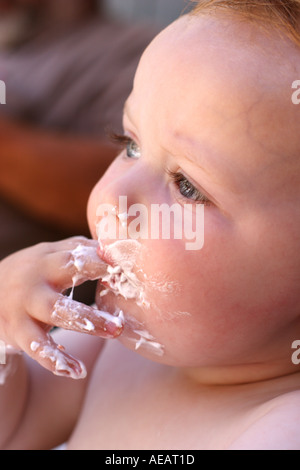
pixel 187 189
pixel 132 148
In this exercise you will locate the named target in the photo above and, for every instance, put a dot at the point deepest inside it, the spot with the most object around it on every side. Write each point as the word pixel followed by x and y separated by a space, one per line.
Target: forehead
pixel 219 51
pixel 224 83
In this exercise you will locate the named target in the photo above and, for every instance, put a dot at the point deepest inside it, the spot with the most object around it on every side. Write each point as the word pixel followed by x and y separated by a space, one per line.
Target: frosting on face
pixel 148 341
pixel 122 280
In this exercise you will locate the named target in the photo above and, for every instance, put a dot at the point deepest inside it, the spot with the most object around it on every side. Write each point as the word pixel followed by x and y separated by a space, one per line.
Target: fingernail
pixel 73 315
pixel 114 325
pixel 66 366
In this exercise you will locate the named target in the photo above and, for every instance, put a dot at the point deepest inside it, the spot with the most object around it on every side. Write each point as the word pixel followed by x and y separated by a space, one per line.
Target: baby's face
pixel 210 122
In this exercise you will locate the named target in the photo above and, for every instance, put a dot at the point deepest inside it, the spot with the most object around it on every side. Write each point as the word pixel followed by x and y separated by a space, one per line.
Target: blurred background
pixel 161 12
pixel 68 68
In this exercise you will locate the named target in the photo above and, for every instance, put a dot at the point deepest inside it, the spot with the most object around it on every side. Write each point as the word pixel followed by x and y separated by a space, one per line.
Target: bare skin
pixel 225 379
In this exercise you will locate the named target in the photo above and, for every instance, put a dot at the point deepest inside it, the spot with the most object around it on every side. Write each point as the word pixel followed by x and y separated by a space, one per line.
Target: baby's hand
pixel 32 283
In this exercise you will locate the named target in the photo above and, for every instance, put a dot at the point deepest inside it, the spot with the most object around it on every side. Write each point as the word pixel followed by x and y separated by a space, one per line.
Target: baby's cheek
pixel 180 289
pixel 92 209
pixel 173 305
pixel 158 303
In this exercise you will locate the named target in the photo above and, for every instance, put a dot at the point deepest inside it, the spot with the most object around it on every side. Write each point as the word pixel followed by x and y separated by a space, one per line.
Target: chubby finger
pixel 54 358
pixel 40 346
pixel 72 315
pixel 71 243
pixel 75 266
pixel 54 309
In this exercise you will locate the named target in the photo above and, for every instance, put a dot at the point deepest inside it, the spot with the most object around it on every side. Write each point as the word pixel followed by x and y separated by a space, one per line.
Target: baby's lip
pixel 104 256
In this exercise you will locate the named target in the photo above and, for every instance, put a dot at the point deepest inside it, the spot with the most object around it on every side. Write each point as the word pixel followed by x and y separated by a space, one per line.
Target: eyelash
pixel 124 141
pixel 185 186
pixel 182 183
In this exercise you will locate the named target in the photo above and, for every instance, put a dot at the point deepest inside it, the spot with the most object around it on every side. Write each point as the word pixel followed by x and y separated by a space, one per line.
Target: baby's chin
pixel 136 335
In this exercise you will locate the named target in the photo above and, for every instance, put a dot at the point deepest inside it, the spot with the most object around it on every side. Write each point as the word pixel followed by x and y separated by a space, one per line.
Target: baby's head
pixel 210 123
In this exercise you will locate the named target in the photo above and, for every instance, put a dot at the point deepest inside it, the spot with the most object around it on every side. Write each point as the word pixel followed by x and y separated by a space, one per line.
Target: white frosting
pixel 136 332
pixel 84 255
pixel 71 314
pixel 61 366
pixel 89 326
pixel 121 278
pixel 148 341
pixel 34 346
pixel 123 219
pixel 74 315
pixel 86 262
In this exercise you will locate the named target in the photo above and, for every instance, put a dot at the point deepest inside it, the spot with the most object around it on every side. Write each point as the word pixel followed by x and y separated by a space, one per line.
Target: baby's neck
pixel 241 374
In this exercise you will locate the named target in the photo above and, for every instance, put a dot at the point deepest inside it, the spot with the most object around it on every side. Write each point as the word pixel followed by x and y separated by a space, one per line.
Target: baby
pixel 203 358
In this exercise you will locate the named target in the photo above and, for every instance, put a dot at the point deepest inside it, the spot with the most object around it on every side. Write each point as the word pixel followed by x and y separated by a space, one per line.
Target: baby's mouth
pixel 103 255
pixel 121 279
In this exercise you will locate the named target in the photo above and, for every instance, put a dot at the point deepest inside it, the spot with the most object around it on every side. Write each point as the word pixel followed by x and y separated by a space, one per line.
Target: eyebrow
pixel 187 141
pixel 180 137
pixel 190 144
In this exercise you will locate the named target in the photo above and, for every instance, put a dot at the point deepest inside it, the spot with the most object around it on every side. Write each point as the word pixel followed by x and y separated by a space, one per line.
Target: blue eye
pixel 187 189
pixel 132 149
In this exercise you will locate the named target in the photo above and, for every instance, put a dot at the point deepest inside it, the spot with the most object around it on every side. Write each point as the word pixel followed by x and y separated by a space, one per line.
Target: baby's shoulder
pixel 275 425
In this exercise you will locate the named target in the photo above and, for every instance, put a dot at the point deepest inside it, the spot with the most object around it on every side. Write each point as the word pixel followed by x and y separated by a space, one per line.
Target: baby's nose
pixel 133 186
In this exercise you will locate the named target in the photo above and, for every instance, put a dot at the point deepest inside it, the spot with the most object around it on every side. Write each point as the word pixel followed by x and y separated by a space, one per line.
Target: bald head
pixel 229 85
